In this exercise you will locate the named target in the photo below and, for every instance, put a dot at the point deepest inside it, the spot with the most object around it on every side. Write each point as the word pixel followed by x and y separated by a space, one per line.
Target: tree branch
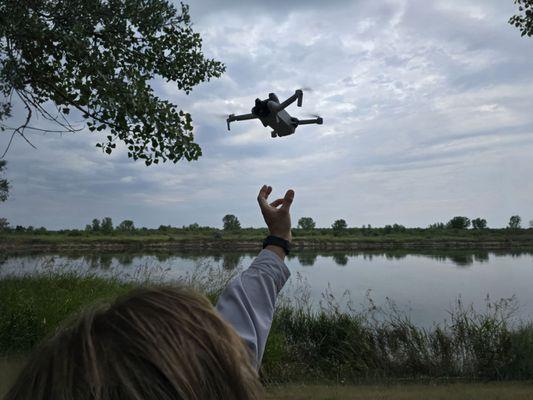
pixel 20 131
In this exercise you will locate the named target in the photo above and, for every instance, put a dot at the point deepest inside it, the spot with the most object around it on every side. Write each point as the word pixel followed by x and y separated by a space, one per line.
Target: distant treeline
pixel 305 226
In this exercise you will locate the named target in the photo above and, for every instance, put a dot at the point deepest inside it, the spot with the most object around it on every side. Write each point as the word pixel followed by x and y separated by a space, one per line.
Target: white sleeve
pixel 249 300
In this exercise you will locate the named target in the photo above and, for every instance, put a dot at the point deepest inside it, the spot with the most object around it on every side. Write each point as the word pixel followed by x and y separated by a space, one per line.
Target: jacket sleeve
pixel 249 300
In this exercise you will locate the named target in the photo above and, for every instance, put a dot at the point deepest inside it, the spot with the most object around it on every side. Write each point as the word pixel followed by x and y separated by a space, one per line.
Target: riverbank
pixel 457 391
pixel 328 345
pixel 250 240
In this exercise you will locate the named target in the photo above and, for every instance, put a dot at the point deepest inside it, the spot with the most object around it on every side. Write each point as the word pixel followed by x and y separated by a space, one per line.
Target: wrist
pixel 276 241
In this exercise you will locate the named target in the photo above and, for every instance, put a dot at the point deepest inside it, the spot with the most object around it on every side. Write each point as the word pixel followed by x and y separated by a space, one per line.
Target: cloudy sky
pixel 427 107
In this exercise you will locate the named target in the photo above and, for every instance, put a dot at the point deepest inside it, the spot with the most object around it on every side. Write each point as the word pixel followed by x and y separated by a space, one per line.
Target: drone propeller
pixel 306 89
pixel 312 115
pixel 221 115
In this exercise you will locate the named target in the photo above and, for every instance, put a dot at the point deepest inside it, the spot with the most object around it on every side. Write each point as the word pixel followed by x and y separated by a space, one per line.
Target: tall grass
pixel 33 307
pixel 334 342
pixel 378 344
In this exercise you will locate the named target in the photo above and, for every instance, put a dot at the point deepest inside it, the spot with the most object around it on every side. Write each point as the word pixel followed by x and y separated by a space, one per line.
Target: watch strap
pixel 277 241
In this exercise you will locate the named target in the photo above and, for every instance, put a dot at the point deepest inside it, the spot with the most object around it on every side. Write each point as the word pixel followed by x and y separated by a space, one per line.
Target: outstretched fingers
pixel 287 200
pixel 262 197
pixel 276 203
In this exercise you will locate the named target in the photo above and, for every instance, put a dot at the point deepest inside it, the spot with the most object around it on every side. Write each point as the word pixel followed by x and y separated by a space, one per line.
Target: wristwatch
pixel 277 241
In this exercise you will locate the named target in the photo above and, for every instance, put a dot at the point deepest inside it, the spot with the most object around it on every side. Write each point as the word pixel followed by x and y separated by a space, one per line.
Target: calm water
pixel 425 285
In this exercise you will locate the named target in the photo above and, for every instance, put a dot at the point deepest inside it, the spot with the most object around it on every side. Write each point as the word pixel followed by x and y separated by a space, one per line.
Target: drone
pixel 272 113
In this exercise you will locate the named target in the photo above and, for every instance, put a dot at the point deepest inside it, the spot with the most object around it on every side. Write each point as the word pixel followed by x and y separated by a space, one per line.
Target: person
pixel 169 342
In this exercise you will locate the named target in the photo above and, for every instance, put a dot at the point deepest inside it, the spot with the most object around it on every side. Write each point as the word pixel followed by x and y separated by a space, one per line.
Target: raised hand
pixel 277 214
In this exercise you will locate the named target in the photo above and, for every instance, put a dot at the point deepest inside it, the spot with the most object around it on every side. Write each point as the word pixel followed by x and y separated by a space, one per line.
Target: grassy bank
pixel 471 391
pixel 304 346
pixel 32 308
pixel 352 239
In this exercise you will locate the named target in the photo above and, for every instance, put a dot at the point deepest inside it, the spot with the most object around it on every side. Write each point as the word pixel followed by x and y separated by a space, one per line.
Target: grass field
pixel 458 391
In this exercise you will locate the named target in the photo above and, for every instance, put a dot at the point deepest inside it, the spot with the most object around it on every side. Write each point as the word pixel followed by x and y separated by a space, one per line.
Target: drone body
pixel 272 113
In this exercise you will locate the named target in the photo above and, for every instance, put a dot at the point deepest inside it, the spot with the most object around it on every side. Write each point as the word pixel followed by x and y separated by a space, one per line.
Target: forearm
pixel 248 303
pixel 277 250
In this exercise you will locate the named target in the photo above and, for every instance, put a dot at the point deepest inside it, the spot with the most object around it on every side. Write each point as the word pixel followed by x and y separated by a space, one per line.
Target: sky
pixel 427 107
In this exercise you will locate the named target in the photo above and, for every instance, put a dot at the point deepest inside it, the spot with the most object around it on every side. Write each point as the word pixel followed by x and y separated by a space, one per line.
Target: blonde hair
pixel 160 343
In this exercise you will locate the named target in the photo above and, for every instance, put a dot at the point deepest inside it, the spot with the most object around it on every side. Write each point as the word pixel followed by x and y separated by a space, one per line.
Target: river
pixel 423 285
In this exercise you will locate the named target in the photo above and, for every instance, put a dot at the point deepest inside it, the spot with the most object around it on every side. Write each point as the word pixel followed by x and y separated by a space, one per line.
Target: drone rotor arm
pixel 298 95
pixel 243 117
pixel 317 120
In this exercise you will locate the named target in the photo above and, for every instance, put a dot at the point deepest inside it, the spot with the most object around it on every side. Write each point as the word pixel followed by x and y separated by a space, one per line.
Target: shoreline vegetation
pixel 404 391
pixel 249 239
pixel 334 344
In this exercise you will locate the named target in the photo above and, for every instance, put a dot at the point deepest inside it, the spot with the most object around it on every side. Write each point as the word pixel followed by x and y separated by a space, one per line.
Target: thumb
pixel 287 200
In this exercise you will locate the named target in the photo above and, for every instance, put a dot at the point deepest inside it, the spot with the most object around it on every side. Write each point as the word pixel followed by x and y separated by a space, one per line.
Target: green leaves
pixel 4 184
pixel 99 58
pixel 524 19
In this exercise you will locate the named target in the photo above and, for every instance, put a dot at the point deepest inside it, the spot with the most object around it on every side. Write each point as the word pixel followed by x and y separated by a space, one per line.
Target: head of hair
pixel 165 343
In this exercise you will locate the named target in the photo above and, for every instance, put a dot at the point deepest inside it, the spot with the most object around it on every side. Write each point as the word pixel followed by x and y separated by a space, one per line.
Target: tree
pixel 231 223
pixel 458 223
pixel 339 226
pixel 524 19
pixel 95 225
pixel 531 223
pixel 4 184
pixel 479 223
pixel 107 225
pixel 514 222
pixel 193 227
pixel 4 224
pixel 164 228
pixel 126 226
pixel 306 223
pixel 437 225
pixel 398 228
pixel 392 228
pixel 99 58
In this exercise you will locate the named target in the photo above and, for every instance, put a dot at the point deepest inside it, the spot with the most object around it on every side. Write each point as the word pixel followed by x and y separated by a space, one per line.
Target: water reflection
pixel 460 258
pixel 307 259
pixel 340 259
pixel 231 260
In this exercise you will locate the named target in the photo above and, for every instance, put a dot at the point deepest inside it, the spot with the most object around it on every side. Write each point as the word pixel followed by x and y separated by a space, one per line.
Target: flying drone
pixel 272 113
